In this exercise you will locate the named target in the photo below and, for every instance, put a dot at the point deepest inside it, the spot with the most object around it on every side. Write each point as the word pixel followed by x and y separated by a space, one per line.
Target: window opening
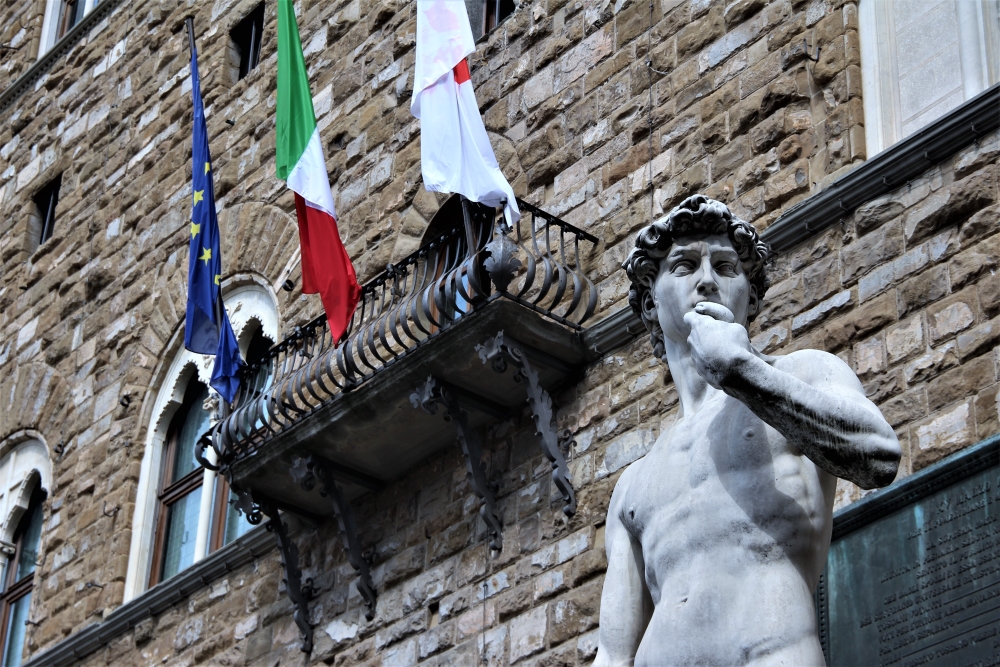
pixel 497 11
pixel 46 200
pixel 20 579
pixel 70 13
pixel 246 36
pixel 180 498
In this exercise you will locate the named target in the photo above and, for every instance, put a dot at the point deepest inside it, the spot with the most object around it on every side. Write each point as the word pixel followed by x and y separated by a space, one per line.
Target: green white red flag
pixel 299 161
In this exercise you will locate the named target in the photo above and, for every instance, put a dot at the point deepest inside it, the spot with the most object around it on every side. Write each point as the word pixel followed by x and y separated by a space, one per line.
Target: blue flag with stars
pixel 206 328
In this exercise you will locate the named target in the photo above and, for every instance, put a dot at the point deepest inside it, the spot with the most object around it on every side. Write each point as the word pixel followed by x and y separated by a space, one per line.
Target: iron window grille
pixel 246 37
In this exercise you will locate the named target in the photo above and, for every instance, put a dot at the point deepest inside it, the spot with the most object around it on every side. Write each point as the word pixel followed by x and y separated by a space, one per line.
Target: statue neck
pixel 692 389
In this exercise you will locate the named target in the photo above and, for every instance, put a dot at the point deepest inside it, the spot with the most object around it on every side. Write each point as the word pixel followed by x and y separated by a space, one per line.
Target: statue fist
pixel 718 345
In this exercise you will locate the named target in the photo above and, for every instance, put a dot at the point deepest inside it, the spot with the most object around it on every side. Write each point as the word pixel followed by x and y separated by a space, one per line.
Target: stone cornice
pixel 157 600
pixel 888 170
pixel 891 168
pixel 613 332
pixel 56 53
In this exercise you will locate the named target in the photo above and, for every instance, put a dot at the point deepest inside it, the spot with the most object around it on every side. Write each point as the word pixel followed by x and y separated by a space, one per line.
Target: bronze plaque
pixel 913 576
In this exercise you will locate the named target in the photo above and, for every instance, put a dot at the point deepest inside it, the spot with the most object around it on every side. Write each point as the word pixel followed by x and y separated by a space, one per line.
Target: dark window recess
pixel 46 201
pixel 246 38
pixel 70 13
pixel 497 11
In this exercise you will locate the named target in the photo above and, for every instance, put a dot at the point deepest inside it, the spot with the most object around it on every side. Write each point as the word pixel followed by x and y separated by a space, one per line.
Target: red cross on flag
pixel 455 152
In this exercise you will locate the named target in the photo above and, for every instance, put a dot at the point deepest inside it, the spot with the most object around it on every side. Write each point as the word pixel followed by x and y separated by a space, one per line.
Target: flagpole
pixel 189 22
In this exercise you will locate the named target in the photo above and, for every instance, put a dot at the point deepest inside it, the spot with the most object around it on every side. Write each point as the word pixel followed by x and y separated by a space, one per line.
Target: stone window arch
pixel 25 479
pixel 209 521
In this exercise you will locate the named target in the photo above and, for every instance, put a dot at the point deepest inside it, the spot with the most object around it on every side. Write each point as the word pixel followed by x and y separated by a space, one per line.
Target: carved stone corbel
pixel 306 472
pixel 427 396
pixel 498 353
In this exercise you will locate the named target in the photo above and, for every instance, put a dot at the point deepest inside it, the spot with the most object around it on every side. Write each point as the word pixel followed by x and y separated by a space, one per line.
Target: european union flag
pixel 207 329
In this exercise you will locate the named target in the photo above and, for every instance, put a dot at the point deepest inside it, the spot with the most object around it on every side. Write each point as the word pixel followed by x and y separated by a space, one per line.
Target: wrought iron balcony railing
pixel 537 264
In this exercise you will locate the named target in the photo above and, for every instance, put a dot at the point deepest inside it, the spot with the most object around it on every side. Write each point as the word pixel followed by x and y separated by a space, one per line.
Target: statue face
pixel 702 268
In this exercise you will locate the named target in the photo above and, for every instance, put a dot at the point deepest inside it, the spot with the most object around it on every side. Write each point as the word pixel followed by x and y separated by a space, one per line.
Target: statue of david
pixel 716 539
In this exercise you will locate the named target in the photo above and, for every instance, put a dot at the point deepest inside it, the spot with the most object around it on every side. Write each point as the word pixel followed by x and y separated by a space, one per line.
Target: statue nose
pixel 707 285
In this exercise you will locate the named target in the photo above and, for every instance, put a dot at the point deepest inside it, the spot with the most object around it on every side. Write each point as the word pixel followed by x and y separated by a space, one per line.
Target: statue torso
pixel 734 525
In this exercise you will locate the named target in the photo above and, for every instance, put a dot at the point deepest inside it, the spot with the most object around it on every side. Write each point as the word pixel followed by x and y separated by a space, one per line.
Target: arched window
pixel 15 603
pixel 25 476
pixel 182 511
pixel 181 487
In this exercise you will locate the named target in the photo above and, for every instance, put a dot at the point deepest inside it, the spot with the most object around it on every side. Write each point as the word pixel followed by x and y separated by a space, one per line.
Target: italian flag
pixel 326 266
pixel 455 151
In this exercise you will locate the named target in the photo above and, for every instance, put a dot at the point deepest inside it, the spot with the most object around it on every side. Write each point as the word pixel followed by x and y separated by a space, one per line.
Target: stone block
pixel 810 318
pixel 905 408
pixel 905 339
pixel 624 450
pixel 979 338
pixel 988 289
pixel 869 357
pixel 699 33
pixel 959 383
pixel 973 262
pixel 923 289
pixel 932 363
pixel 942 434
pixel 952 315
pixel 951 205
pixel 871 251
pixel 527 633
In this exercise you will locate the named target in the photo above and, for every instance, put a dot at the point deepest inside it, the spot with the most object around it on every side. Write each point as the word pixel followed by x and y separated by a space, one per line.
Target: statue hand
pixel 718 345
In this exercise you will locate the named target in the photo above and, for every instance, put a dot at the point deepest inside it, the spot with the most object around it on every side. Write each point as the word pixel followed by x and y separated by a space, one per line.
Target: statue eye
pixel 682 267
pixel 726 268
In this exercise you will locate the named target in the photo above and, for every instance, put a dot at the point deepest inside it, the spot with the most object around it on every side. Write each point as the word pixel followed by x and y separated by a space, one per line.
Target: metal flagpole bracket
pixel 306 472
pixel 498 353
pixel 426 397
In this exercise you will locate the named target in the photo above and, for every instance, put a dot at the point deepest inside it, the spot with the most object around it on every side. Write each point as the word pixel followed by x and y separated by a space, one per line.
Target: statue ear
pixel 649 306
pixel 754 306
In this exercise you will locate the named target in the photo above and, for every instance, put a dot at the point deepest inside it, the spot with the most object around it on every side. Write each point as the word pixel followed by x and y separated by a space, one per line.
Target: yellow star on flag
pixel 206 254
pixel 207 167
pixel 217 278
pixel 195 230
pixel 198 195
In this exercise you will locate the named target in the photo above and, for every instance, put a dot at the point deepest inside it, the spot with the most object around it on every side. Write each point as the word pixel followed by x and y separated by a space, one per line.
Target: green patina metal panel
pixel 913 576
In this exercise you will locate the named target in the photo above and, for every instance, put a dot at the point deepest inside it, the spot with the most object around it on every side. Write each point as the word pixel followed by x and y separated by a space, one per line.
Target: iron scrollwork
pixel 503 263
pixel 298 592
pixel 498 353
pixel 306 472
pixel 426 397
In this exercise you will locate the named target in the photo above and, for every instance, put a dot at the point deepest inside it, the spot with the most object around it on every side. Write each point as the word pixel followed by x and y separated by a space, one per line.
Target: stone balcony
pixel 350 405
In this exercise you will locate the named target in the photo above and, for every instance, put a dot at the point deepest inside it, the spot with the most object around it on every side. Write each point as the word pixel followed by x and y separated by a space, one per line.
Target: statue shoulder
pixel 816 367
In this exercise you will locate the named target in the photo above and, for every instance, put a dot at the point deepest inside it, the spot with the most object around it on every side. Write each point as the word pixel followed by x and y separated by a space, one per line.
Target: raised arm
pixel 811 397
pixel 626 606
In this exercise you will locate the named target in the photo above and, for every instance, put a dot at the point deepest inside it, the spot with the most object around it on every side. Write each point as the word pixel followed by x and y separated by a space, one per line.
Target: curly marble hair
pixel 695 216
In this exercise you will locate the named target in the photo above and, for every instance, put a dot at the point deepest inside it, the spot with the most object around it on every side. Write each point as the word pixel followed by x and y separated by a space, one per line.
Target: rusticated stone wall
pixel 904 290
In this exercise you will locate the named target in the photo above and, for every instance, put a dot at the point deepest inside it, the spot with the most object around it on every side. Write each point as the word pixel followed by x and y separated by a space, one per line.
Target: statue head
pixel 698 252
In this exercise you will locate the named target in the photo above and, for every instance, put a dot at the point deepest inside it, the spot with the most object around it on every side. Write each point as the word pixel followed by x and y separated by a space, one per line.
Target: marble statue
pixel 716 539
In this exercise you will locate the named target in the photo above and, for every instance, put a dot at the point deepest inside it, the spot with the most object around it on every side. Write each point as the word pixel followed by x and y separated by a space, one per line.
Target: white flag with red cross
pixel 455 152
